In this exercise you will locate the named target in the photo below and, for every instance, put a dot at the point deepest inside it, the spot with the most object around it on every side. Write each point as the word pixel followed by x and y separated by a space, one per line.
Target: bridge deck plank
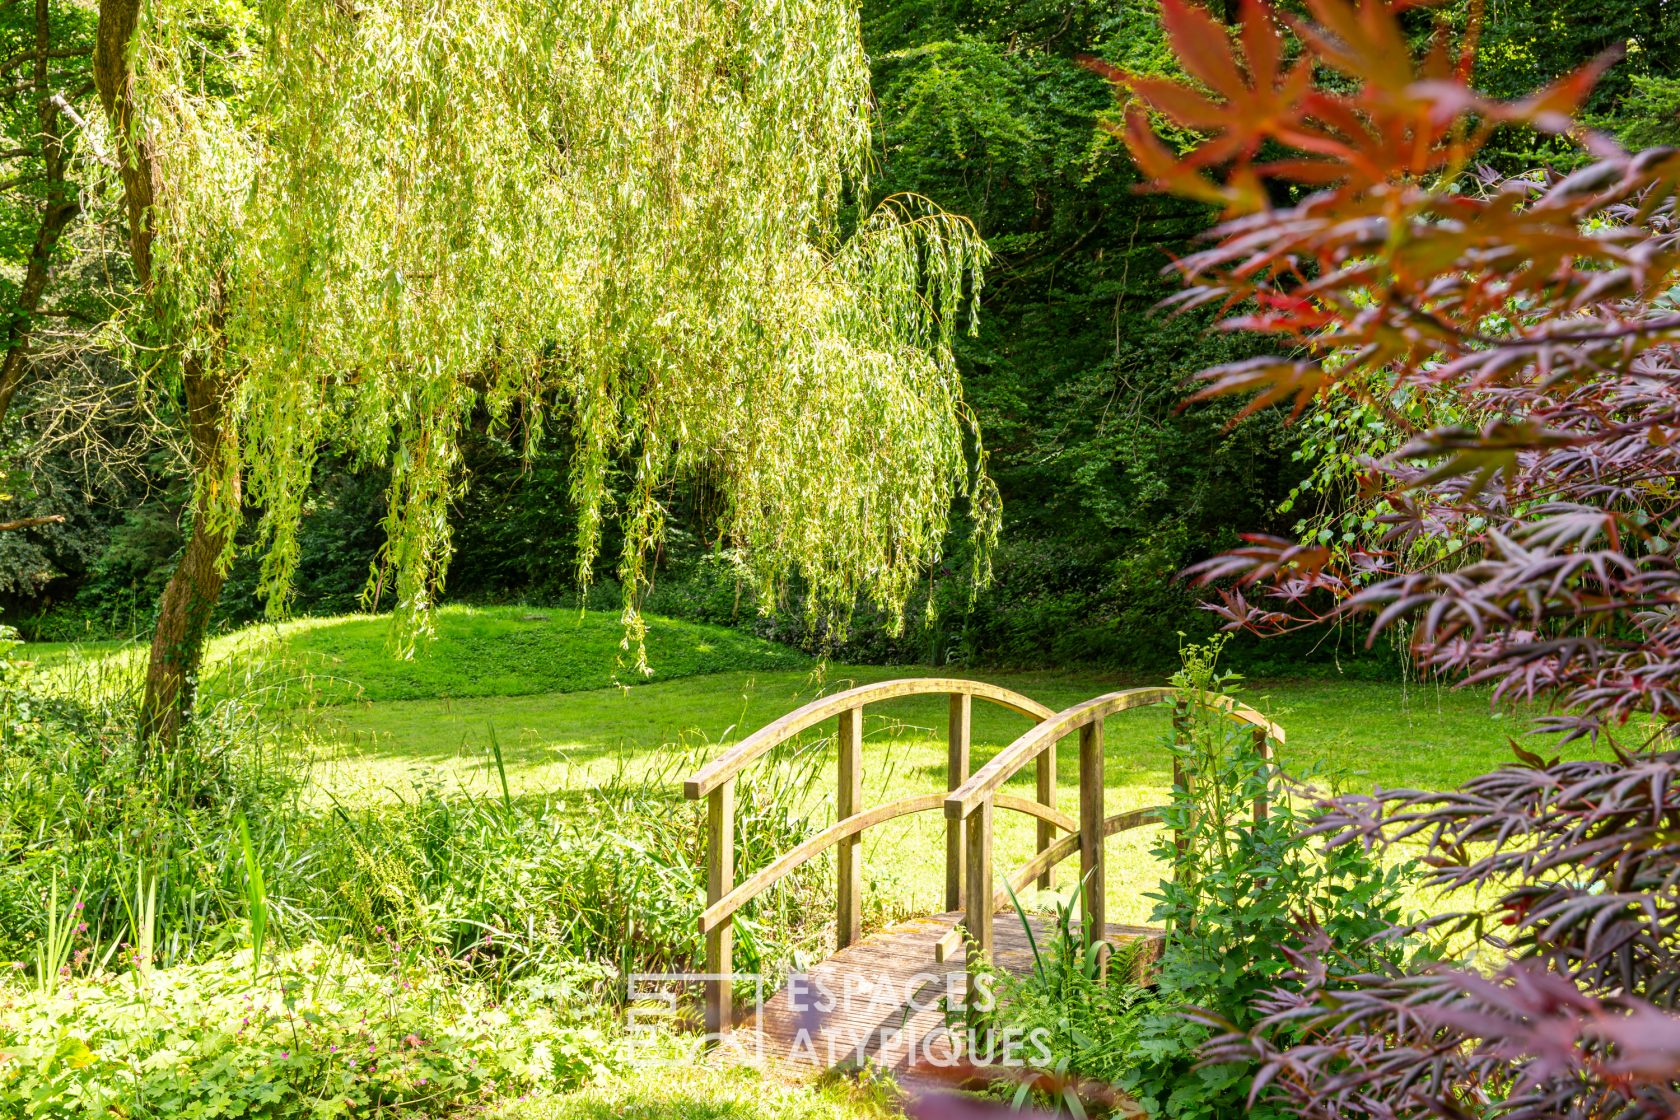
pixel 885 993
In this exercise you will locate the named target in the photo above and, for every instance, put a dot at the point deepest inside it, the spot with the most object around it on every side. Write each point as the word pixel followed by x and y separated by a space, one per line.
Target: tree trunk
pixel 59 211
pixel 178 642
pixel 190 597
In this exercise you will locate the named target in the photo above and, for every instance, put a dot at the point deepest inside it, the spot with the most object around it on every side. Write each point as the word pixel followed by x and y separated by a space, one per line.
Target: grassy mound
pixel 474 652
pixel 518 651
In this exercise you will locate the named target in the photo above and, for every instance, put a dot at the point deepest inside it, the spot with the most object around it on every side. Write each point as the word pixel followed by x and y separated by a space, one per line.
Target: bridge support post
pixel 1091 831
pixel 1046 797
pixel 979 917
pixel 956 773
pixel 849 919
pixel 720 880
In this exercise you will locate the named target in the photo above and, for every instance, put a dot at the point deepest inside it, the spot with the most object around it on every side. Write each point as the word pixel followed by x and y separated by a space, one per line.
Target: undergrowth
pixel 1238 896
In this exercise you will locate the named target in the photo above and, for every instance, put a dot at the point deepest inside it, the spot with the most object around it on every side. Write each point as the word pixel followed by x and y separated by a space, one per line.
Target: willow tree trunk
pixel 190 597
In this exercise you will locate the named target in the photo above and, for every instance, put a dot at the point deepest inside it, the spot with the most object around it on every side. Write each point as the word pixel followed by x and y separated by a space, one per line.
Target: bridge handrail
pixel 742 754
pixel 724 908
pixel 1044 861
pixel 1004 765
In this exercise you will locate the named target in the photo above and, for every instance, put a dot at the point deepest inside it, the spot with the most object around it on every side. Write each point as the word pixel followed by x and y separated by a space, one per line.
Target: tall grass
pixel 220 846
pixel 612 875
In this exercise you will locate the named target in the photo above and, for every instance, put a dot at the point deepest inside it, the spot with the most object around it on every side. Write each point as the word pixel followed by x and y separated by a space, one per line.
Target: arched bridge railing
pixel 969 808
pixel 715 781
pixel 974 802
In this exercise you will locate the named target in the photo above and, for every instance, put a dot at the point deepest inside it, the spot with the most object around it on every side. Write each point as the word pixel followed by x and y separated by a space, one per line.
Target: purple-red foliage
pixel 1542 313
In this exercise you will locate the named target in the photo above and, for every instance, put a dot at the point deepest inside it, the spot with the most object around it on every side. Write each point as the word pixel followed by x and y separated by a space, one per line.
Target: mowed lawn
pixel 539 686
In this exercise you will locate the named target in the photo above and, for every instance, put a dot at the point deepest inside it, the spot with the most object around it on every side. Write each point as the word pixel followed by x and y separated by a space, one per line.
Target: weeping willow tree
pixel 628 213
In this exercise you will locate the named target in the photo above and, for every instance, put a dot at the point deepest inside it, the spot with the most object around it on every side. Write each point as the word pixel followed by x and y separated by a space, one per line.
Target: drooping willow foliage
pixel 626 212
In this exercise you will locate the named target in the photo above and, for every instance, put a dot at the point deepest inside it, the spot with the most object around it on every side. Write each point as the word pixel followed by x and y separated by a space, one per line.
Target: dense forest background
pixel 1110 486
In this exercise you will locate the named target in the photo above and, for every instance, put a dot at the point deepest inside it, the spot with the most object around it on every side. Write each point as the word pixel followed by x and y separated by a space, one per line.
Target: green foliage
pixel 703 1092
pixel 1527 43
pixel 321 1033
pixel 228 852
pixel 1239 892
pixel 615 876
pixel 1650 116
pixel 1109 489
pixel 512 651
pixel 79 810
pixel 1075 1000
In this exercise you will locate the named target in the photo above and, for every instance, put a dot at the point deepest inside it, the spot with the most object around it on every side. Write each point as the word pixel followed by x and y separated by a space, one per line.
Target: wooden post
pixel 979 919
pixel 1262 747
pixel 720 879
pixel 1047 798
pixel 956 773
pixel 1090 830
pixel 849 919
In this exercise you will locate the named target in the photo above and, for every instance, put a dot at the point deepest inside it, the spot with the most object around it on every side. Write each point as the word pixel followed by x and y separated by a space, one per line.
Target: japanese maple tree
pixel 1525 528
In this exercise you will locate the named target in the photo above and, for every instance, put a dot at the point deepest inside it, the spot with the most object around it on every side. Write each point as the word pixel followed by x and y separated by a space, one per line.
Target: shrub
pixel 1239 891
pixel 519 888
pixel 1578 862
pixel 1514 344
pixel 320 1034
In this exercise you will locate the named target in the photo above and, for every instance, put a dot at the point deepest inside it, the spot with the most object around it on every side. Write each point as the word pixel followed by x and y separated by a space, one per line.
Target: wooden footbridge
pixel 876 997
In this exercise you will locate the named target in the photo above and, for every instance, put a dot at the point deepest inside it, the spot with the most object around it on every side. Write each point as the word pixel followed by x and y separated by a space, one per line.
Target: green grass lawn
pixel 540 684
pixel 1351 736
pixel 474 651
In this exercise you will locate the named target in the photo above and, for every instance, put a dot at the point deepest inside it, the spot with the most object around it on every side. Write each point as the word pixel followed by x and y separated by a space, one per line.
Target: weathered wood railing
pixel 969 805
pixel 973 802
pixel 716 782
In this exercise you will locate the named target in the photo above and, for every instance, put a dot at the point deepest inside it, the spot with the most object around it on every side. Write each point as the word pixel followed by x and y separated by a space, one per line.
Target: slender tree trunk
pixel 191 594
pixel 189 599
pixel 59 211
pixel 184 613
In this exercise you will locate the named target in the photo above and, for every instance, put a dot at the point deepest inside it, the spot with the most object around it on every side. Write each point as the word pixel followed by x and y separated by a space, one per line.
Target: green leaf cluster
pixel 320 1034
